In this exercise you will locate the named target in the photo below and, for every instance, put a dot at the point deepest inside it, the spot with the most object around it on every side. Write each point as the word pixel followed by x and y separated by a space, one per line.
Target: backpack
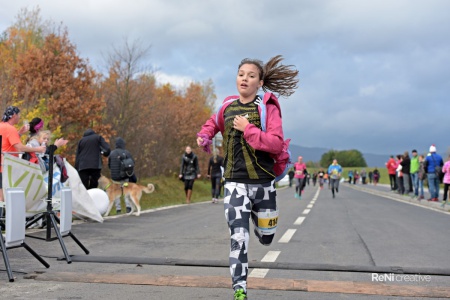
pixel 282 159
pixel 62 167
pixel 126 166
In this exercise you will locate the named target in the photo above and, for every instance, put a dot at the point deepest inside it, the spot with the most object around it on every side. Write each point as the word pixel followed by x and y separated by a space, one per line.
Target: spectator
pixel 43 139
pixel 35 125
pixel 215 173
pixel 399 175
pixel 115 160
pixel 363 176
pixel 446 180
pixel 414 173
pixel 391 166
pixel 406 164
pixel 88 161
pixel 189 172
pixel 11 140
pixel 376 176
pixel 433 161
pixel 350 176
pixel 355 176
pixel 422 176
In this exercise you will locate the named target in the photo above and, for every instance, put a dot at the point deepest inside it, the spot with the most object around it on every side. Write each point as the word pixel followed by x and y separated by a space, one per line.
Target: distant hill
pixel 315 154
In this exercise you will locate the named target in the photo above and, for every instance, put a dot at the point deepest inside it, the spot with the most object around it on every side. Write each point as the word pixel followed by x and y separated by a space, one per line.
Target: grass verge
pixel 170 191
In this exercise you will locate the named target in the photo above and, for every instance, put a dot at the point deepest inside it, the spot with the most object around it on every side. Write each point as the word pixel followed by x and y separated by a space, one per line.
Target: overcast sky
pixel 374 75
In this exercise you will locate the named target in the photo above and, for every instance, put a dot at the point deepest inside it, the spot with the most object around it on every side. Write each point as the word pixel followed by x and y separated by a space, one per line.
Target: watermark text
pixel 391 277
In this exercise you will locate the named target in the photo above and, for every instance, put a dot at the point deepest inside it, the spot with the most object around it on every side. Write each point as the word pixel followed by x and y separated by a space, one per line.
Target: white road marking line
pixel 271 256
pixel 299 220
pixel 287 236
pixel 316 195
pixel 258 273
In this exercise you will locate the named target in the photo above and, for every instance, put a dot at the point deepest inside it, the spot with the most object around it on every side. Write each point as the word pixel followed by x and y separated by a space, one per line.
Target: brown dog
pixel 131 191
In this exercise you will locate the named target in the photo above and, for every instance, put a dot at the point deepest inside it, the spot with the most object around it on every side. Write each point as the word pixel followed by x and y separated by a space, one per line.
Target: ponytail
pixel 277 78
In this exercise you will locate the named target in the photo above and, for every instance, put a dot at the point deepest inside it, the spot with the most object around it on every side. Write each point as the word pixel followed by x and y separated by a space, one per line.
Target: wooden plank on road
pixel 342 287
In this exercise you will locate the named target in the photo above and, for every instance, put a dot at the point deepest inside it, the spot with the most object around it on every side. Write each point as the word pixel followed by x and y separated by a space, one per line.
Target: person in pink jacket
pixel 300 170
pixel 446 180
pixel 249 153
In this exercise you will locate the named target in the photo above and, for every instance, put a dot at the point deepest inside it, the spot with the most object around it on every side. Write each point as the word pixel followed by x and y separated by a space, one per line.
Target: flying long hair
pixel 277 78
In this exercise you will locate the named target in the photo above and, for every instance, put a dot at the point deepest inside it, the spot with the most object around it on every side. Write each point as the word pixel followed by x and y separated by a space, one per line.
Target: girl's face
pixel 248 81
pixel 44 139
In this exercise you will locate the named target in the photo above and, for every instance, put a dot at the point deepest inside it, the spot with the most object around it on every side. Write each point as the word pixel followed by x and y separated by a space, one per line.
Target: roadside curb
pixel 436 206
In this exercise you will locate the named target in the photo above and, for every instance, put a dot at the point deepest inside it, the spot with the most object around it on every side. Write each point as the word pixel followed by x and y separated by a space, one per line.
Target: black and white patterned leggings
pixel 241 202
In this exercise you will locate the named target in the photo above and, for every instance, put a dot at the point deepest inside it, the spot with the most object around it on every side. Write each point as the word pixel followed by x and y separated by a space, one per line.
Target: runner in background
pixel 334 171
pixel 299 177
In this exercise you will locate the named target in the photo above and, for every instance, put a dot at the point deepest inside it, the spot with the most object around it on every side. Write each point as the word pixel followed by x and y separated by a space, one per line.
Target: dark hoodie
pixel 89 151
pixel 114 159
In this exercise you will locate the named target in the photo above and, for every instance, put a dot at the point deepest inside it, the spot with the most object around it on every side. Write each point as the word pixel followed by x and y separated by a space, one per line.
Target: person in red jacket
pixel 391 166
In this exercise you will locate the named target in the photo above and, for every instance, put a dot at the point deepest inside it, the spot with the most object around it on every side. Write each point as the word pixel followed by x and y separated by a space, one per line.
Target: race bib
pixel 267 221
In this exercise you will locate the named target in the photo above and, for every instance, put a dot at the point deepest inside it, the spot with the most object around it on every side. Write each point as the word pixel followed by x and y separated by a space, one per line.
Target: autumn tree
pixel 48 76
pixel 171 123
pixel 127 86
pixel 27 32
pixel 156 121
pixel 44 75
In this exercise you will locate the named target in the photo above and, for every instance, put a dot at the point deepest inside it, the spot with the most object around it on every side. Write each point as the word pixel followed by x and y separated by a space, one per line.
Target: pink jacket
pixel 446 171
pixel 271 140
pixel 299 168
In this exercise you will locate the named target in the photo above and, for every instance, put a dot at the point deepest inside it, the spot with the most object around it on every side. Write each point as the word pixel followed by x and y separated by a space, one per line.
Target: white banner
pixel 21 173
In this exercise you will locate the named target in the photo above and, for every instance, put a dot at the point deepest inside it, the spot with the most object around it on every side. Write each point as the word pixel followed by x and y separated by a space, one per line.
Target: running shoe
pixel 240 294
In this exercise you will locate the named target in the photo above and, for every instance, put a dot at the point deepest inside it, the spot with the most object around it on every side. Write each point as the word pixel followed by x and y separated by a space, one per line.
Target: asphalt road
pixel 324 248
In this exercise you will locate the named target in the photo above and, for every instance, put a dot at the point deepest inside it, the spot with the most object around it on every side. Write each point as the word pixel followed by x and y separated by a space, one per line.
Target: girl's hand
pixel 240 122
pixel 199 141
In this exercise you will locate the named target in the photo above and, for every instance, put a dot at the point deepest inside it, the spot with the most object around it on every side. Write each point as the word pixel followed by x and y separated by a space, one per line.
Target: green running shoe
pixel 239 294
